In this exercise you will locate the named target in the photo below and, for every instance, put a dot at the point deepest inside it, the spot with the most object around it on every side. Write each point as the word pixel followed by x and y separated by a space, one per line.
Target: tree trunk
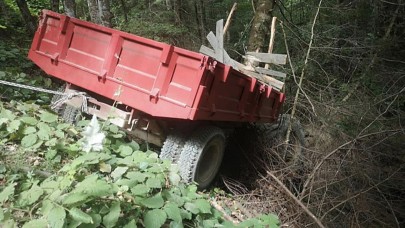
pixel 124 10
pixel 70 7
pixel 55 5
pixel 104 12
pixel 200 16
pixel 93 11
pixel 177 10
pixel 29 20
pixel 261 25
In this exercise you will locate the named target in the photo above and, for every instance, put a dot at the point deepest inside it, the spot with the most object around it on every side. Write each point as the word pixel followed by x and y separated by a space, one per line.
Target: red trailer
pixel 178 99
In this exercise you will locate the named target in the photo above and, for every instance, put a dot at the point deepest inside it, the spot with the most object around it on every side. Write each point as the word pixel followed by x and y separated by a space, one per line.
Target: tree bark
pixel 70 7
pixel 29 20
pixel 105 12
pixel 200 16
pixel 261 25
pixel 55 5
pixel 124 10
pixel 93 11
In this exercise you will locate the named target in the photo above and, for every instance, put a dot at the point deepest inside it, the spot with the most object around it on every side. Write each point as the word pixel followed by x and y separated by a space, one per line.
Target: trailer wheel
pixel 172 147
pixel 202 155
pixel 71 114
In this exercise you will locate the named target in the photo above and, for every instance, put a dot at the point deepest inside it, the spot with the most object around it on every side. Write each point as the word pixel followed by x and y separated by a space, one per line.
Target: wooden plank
pixel 208 51
pixel 212 39
pixel 220 38
pixel 270 72
pixel 267 57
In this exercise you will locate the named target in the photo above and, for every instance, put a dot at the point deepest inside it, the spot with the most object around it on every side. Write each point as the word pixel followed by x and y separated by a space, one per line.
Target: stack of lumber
pixel 263 74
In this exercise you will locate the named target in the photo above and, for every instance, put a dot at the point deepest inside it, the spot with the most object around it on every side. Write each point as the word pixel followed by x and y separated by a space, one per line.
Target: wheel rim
pixel 207 166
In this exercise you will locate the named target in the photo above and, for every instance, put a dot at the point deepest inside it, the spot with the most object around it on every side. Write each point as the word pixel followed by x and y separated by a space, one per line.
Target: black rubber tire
pixel 172 147
pixel 56 97
pixel 71 114
pixel 275 134
pixel 202 155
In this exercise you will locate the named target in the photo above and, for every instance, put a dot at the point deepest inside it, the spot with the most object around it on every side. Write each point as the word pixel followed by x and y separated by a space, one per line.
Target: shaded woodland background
pixel 350 56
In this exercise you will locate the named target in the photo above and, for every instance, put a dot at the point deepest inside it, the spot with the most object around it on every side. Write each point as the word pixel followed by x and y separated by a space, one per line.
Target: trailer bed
pixel 156 78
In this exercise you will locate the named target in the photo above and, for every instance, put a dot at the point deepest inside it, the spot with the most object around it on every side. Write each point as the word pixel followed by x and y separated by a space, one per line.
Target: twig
pixel 303 73
pixel 221 209
pixel 315 170
pixel 289 193
pixel 272 36
pixel 364 191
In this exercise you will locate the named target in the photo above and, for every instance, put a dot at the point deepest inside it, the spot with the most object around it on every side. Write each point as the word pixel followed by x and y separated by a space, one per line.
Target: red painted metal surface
pixel 153 77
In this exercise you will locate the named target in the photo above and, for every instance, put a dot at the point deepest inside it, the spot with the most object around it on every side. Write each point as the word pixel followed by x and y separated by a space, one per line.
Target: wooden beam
pixel 268 57
pixel 270 72
pixel 276 84
pixel 220 38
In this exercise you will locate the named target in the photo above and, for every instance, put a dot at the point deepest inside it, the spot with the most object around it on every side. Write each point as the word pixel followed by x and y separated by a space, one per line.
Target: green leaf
pixel 125 150
pixel 203 205
pixel 154 183
pixel 48 117
pixel 131 224
pixel 56 217
pixel 75 198
pixel 13 126
pixel 29 140
pixel 29 120
pixel 140 190
pixel 29 130
pixel 6 193
pixel 80 216
pixel 173 212
pixel 43 134
pixel 191 207
pixel 138 176
pixel 31 196
pixel 118 172
pixel 155 218
pixel 36 223
pixel 175 224
pixel 110 219
pixel 155 201
pixel 271 220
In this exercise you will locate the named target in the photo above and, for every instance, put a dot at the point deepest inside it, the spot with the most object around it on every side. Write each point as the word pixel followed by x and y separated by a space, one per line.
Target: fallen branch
pixel 290 194
pixel 221 209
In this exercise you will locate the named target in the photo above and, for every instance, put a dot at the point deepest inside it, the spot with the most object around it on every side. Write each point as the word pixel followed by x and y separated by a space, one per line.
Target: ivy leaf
pixel 6 193
pixel 56 217
pixel 36 223
pixel 48 117
pixel 203 205
pixel 173 212
pixel 118 172
pixel 30 196
pixel 110 219
pixel 155 201
pixel 80 216
pixel 29 140
pixel 155 218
